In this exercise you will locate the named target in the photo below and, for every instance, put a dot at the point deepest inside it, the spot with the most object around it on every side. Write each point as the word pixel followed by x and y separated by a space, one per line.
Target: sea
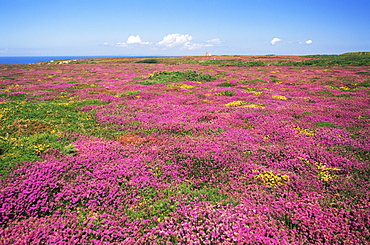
pixel 22 60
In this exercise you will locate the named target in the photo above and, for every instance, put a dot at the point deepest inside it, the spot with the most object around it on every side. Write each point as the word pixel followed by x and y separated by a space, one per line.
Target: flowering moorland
pixel 186 150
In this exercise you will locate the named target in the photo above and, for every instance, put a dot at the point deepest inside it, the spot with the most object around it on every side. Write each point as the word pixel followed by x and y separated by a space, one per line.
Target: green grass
pixel 252 81
pixel 333 60
pixel 30 129
pixel 330 94
pixel 150 205
pixel 16 97
pixel 325 124
pixel 349 59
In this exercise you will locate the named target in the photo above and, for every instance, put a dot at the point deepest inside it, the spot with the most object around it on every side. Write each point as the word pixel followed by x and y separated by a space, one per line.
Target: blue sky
pixel 183 27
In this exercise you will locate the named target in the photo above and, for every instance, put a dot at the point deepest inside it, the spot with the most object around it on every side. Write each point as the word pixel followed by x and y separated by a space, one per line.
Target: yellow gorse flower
pixel 244 104
pixel 344 88
pixel 65 103
pixel 250 89
pixel 156 171
pixel 183 86
pixel 324 173
pixel 40 148
pixel 236 103
pixel 12 86
pixel 271 179
pixel 279 97
pixel 3 113
pixel 257 105
pixel 306 131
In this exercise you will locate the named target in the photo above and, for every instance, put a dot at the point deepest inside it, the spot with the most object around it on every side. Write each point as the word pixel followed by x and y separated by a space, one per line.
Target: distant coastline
pixel 24 60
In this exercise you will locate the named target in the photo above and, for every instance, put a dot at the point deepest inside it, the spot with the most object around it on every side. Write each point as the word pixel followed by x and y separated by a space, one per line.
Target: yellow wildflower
pixel 272 179
pixel 183 86
pixel 279 97
pixel 244 104
pixel 40 148
pixel 306 131
pixel 255 105
pixel 324 173
pixel 344 88
pixel 236 103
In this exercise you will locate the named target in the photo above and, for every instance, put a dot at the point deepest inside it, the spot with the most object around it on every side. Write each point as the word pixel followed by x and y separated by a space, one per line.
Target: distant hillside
pixel 357 53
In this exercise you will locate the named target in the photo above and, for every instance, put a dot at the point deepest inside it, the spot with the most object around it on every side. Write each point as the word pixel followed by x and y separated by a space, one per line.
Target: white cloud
pixel 171 40
pixel 108 44
pixel 275 40
pixel 121 45
pixel 300 42
pixel 184 41
pixel 212 42
pixel 174 39
pixel 191 46
pixel 133 40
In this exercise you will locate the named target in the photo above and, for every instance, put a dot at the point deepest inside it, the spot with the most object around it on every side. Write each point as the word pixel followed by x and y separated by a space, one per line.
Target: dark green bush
pixel 176 76
pixel 325 124
pixel 226 84
pixel 331 60
pixel 149 61
pixel 226 93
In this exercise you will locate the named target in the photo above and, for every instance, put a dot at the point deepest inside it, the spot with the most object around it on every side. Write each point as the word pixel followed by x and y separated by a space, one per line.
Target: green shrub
pixel 330 60
pixel 252 81
pixel 148 61
pixel 176 76
pixel 130 93
pixel 226 84
pixel 365 84
pixel 69 150
pixel 325 124
pixel 226 93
